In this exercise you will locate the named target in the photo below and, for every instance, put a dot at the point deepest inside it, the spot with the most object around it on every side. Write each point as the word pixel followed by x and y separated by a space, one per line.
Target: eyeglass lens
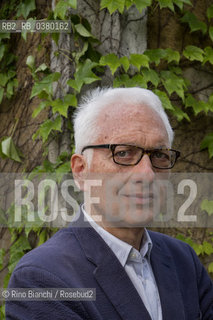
pixel 130 155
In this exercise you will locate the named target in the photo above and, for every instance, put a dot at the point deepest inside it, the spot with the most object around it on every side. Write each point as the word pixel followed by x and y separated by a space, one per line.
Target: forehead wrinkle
pixel 115 122
pixel 122 112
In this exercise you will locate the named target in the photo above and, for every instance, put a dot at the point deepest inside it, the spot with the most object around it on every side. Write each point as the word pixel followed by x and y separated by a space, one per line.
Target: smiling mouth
pixel 139 198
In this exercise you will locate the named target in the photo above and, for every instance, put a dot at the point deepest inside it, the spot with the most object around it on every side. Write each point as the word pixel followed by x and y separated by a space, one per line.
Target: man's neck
pixel 132 236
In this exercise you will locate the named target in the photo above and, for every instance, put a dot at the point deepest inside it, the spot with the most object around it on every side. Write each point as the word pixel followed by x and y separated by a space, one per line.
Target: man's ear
pixel 79 169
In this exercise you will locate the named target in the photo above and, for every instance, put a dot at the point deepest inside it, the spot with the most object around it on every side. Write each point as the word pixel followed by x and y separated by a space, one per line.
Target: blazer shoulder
pixel 162 238
pixel 50 252
pixel 180 252
pixel 172 246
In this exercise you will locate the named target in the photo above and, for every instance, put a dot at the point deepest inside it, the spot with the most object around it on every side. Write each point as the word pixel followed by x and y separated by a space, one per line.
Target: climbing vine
pixel 160 70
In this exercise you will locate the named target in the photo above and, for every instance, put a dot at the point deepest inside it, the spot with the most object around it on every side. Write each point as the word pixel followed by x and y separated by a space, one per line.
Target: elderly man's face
pixel 126 196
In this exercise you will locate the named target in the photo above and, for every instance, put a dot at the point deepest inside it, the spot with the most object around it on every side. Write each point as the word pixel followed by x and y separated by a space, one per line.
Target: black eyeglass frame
pixel 149 152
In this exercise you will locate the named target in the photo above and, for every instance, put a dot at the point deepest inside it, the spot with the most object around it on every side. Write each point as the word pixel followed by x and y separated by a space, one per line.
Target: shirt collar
pixel 120 248
pixel 146 245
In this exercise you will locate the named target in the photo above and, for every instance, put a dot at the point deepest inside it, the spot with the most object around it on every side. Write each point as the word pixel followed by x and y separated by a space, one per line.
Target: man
pixel 123 143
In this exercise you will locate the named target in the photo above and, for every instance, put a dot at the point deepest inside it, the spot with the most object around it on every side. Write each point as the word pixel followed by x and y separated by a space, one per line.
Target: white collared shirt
pixel 137 265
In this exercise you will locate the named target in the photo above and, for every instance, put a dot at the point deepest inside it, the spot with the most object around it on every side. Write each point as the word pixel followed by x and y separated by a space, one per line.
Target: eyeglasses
pixel 128 155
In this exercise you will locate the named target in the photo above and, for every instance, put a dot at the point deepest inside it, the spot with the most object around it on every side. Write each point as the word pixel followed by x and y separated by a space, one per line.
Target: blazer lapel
pixel 167 282
pixel 116 284
pixel 110 274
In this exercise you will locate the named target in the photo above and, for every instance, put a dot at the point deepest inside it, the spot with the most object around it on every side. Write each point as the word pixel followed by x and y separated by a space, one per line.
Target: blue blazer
pixel 77 257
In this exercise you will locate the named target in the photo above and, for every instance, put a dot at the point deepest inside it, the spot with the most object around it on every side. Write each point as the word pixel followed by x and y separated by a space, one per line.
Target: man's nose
pixel 144 169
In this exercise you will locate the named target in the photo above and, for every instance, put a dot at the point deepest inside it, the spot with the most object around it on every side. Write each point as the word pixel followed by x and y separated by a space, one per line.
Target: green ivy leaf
pixel 17 250
pixel 110 60
pixel 204 106
pixel 125 63
pixel 138 81
pixel 211 102
pixel 6 280
pixel 209 12
pixel 63 157
pixel 9 150
pixel 15 83
pixel 194 23
pixel 10 59
pixel 1 94
pixel 166 103
pixel 24 35
pixel 71 100
pixel 210 267
pixel 79 54
pixel 193 53
pixel 30 62
pixel 10 86
pixel 2 50
pixel 61 106
pixel 166 4
pixel 180 114
pixel 4 36
pixel 142 4
pixel 2 254
pixel 75 84
pixel 172 55
pixel 139 60
pixel 207 143
pixel 45 85
pixel 64 168
pixel 83 75
pixel 113 5
pixel 42 237
pixel 151 76
pixel 207 206
pixel 208 55
pixel 198 106
pixel 41 107
pixel 197 247
pixel 180 3
pixel 62 6
pixel 83 31
pixel 173 83
pixel 25 8
pixel 46 128
pixel 155 55
pixel 122 80
pixel 42 68
pixel 11 74
pixel 128 3
pixel 207 248
pixel 55 37
pixel 211 33
pixel 3 79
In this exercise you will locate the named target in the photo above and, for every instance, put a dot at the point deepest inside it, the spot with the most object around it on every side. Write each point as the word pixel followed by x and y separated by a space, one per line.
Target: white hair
pixel 86 128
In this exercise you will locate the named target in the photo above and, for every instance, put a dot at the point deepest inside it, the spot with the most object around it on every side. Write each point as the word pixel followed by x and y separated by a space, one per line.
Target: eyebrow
pixel 136 145
pixel 162 147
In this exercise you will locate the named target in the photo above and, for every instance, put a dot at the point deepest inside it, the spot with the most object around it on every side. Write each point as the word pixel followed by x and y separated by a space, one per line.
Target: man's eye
pixel 161 155
pixel 122 154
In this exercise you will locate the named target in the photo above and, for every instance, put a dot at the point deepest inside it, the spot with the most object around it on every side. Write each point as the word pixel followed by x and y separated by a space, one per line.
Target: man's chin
pixel 138 218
